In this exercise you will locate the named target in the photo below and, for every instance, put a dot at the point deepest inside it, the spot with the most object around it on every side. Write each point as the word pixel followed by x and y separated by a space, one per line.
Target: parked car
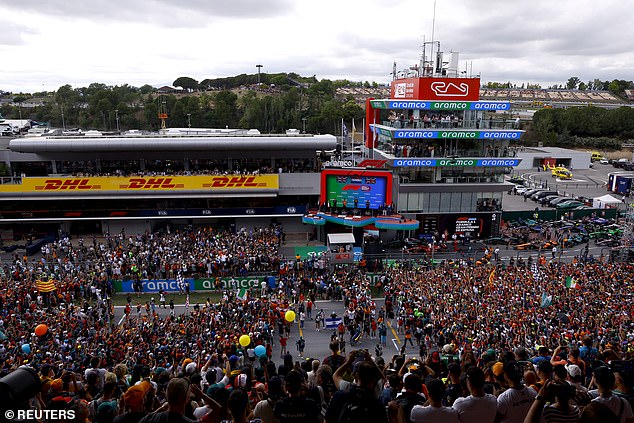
pixel 533 191
pixel 620 162
pixel 546 199
pixel 542 194
pixel 567 205
pixel 557 200
pixel 517 180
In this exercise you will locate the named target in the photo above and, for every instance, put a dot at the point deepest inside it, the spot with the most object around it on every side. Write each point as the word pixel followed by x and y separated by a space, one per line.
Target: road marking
pixel 393 332
pixel 395 345
pixel 301 331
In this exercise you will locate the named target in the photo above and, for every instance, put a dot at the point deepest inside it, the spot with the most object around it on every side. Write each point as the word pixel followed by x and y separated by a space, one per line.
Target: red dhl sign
pixel 151 183
pixel 66 184
pixel 137 183
pixel 235 182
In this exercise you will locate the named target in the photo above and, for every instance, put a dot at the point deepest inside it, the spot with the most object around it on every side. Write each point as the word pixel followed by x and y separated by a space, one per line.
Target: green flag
pixel 242 294
pixel 547 300
pixel 571 282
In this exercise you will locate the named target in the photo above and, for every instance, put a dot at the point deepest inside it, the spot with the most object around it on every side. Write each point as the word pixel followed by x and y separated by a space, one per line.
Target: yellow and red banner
pixel 45 286
pixel 145 183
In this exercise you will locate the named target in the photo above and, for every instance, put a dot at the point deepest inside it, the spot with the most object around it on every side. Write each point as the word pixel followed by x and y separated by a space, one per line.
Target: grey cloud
pixel 12 33
pixel 167 12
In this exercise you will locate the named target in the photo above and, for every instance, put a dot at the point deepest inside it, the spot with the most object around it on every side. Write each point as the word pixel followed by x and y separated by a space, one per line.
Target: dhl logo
pixel 150 183
pixel 234 182
pixel 66 184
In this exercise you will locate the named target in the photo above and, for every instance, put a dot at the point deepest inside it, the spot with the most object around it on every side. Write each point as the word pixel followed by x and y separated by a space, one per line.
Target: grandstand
pixel 549 97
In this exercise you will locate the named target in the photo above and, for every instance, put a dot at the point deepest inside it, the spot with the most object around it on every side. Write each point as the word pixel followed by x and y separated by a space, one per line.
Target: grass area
pixel 194 297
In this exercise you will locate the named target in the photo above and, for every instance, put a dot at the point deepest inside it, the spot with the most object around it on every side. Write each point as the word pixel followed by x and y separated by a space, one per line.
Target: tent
pixel 606 201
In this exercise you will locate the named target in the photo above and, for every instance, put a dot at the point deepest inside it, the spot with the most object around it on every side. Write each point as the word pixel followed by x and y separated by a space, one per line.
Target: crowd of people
pixel 514 343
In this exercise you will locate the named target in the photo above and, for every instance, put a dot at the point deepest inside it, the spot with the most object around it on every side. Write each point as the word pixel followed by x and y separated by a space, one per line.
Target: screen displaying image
pixel 348 186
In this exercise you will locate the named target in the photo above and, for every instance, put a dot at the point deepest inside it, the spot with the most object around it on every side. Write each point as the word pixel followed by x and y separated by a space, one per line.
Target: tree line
pixel 298 105
pixel 591 127
pixel 295 102
pixel 616 86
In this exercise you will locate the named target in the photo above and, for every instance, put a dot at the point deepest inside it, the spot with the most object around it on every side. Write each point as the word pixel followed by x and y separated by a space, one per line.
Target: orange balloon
pixel 41 329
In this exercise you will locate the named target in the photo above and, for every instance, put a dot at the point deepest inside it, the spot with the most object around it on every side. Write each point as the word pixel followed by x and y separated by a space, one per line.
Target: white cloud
pixel 156 41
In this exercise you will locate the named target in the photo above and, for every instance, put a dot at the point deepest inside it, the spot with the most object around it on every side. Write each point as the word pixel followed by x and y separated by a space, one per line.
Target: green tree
pixel 572 82
pixel 186 83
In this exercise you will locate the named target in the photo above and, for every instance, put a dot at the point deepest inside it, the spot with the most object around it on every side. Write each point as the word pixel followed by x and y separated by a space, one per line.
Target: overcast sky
pixel 48 43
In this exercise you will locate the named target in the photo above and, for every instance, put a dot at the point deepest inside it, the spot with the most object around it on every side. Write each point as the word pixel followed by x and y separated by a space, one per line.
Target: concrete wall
pixel 299 183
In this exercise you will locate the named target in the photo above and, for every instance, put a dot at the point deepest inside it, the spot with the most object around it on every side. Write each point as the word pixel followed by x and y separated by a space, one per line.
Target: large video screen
pixel 348 185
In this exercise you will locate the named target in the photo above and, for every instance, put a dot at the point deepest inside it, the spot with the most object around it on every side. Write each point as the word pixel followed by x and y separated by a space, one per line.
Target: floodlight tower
pixel 259 67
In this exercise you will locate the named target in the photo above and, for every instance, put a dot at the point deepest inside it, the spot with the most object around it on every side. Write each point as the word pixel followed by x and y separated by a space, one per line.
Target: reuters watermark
pixel 49 415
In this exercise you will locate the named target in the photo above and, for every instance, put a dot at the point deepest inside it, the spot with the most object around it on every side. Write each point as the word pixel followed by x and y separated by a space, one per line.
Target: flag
pixel 535 271
pixel 547 300
pixel 344 130
pixel 332 323
pixel 187 303
pixel 45 286
pixel 354 128
pixel 242 294
pixel 571 282
pixel 492 277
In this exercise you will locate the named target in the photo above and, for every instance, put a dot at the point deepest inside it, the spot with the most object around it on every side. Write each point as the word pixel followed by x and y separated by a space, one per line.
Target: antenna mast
pixel 433 30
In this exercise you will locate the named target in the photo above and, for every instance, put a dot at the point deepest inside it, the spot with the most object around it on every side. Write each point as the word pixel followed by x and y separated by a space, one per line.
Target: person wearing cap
pixel 133 403
pixel 264 408
pixel 581 397
pixel 514 403
pixel 478 407
pixel 605 380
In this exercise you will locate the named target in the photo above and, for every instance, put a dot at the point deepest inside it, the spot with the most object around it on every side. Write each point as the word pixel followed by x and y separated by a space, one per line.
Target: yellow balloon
pixel 245 340
pixel 290 316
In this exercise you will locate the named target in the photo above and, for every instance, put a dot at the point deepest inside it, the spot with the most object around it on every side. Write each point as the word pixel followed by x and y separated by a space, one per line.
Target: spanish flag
pixel 491 277
pixel 45 286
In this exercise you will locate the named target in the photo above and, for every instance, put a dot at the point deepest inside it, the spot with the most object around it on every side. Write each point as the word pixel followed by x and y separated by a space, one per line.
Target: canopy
pixel 344 238
pixel 604 201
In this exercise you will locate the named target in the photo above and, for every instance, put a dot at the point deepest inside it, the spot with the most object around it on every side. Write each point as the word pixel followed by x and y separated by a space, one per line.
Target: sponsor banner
pixel 436 89
pixel 141 184
pixel 152 285
pixel 206 284
pixel 476 134
pixel 492 162
pixel 441 105
pixel 338 163
pixel 230 283
pixel 373 277
pixel 189 213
